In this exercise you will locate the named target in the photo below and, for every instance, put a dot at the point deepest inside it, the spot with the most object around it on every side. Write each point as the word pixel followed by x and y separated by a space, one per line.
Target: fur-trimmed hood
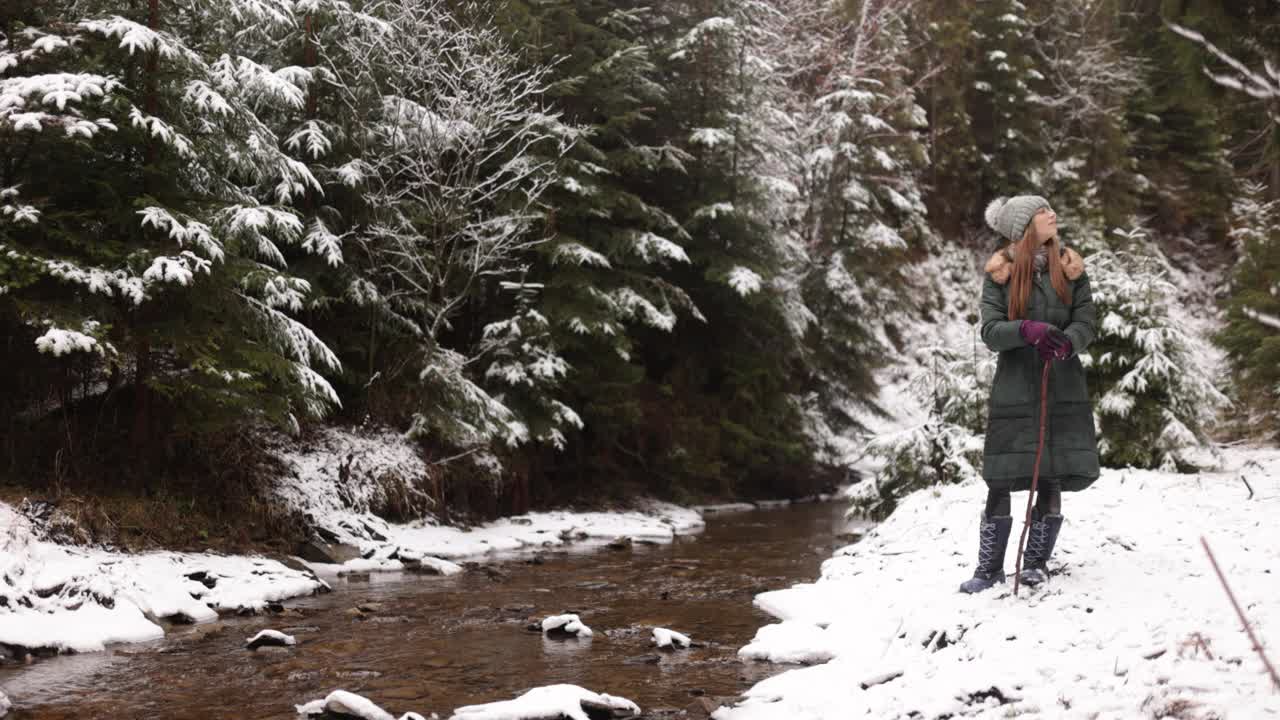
pixel 1001 264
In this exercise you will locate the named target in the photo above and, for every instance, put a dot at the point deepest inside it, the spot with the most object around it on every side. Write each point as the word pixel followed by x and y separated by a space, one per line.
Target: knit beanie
pixel 1010 216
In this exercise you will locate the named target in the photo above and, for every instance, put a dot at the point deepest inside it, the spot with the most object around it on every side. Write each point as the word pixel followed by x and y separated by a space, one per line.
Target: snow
pixel 744 280
pixel 79 598
pixel 1112 635
pixel 548 703
pixel 5 705
pixel 342 478
pixel 271 637
pixel 670 638
pixel 58 342
pixel 569 623
pixel 347 704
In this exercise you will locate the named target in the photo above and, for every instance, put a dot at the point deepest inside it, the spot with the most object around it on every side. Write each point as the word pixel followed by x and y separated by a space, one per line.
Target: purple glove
pixel 1050 342
pixel 1034 332
pixel 1061 343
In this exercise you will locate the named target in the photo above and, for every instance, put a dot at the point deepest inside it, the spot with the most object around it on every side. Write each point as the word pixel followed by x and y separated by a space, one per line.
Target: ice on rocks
pixel 568 623
pixel 1113 634
pixel 665 638
pixel 551 702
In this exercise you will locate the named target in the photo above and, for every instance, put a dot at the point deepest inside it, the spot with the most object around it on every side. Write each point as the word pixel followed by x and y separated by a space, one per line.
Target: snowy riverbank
pixel 1134 623
pixel 343 480
pixel 70 598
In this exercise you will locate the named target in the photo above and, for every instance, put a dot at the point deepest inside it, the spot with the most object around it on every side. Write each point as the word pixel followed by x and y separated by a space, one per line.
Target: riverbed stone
pixel 318 551
pixel 703 707
pixel 270 639
pixel 206 631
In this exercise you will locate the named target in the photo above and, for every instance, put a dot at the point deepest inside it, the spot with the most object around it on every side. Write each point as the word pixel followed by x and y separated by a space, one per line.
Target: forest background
pixel 584 251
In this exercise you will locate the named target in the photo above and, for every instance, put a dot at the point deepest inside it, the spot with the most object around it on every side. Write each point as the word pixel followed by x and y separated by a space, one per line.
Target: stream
pixel 432 644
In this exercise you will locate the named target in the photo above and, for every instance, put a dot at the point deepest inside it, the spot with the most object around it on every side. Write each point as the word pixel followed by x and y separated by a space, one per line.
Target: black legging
pixel 1048 499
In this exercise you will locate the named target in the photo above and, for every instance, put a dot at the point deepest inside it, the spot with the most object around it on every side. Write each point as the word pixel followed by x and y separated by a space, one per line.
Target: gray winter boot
pixel 1041 537
pixel 993 537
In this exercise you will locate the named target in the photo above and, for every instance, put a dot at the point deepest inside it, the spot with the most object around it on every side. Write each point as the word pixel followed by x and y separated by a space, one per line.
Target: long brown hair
pixel 1024 252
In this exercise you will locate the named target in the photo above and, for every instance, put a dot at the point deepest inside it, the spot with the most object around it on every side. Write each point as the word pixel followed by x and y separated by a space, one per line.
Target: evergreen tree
pixel 943 63
pixel 844 163
pixel 733 420
pixel 148 207
pixel 1008 118
pixel 1251 336
pixel 605 262
pixel 1178 125
pixel 1153 398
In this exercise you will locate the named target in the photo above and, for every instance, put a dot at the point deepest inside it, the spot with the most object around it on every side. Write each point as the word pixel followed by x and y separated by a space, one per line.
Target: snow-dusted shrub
pixel 1153 397
pixel 947 446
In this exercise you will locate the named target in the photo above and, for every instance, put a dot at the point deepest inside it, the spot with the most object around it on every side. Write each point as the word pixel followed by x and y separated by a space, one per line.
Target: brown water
pixel 430 644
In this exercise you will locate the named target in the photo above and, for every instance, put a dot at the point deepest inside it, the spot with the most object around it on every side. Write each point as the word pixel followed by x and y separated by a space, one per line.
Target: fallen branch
pixel 880 679
pixel 1246 484
pixel 1257 646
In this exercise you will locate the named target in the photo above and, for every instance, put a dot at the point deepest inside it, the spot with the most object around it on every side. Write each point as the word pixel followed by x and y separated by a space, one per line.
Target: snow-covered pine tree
pixel 605 262
pixel 723 415
pixel 844 165
pixel 1179 129
pixel 942 55
pixel 147 206
pixel 1153 397
pixel 1008 119
pixel 1251 336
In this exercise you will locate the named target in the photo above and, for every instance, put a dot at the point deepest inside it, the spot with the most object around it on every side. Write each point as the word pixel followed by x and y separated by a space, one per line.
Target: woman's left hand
pixel 1060 343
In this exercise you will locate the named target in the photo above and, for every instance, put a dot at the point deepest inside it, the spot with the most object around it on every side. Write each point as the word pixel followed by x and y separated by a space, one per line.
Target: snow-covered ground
pixel 1133 624
pixel 343 478
pixel 75 598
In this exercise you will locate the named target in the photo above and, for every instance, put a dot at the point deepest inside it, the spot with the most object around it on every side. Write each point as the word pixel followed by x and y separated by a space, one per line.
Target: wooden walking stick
pixel 1035 473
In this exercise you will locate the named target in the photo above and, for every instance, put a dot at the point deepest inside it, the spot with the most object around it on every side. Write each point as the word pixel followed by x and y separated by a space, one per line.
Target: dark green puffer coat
pixel 1013 418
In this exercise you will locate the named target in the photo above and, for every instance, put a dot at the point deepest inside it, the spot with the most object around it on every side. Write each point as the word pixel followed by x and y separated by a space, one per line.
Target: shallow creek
pixel 431 644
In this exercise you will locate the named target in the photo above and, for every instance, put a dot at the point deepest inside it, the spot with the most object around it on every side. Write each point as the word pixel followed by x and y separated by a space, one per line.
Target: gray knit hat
pixel 1010 216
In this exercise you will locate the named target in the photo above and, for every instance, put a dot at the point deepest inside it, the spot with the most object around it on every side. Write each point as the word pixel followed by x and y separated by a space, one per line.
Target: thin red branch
pixel 1257 646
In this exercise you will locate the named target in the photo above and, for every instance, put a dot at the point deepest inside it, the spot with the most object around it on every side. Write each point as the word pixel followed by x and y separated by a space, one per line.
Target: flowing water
pixel 431 644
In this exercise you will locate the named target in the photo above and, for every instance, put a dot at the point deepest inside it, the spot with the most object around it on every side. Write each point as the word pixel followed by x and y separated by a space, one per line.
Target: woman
pixel 1037 308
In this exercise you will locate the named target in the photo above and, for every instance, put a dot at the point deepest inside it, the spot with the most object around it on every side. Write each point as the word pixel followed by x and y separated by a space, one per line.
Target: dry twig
pixel 1257 646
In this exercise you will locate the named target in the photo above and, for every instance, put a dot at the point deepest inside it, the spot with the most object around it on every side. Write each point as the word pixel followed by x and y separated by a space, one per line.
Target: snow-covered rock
pixel 1133 624
pixel 569 624
pixel 5 704
pixel 665 638
pixel 349 704
pixel 551 702
pixel 80 598
pixel 270 638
